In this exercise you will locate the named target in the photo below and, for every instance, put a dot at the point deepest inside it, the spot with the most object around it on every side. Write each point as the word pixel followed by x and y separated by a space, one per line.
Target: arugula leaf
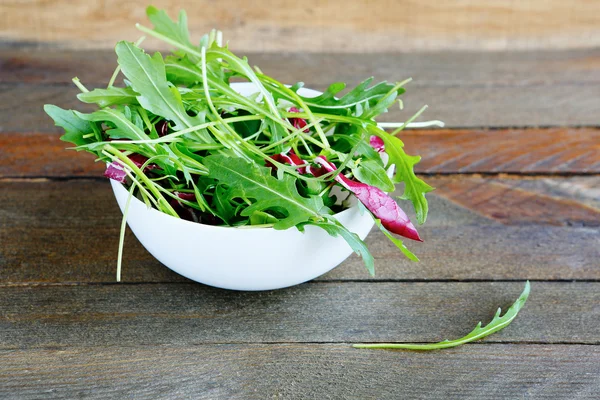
pixel 373 174
pixel 335 228
pixel 165 26
pixel 497 323
pixel 361 96
pixel 249 180
pixel 124 128
pixel 415 189
pixel 109 97
pixel 222 203
pixel 262 218
pixel 75 127
pixel 399 244
pixel 148 78
pixel 181 71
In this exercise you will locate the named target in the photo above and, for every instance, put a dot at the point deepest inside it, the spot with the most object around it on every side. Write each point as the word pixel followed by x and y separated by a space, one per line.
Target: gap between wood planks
pixel 315 281
pixel 481 342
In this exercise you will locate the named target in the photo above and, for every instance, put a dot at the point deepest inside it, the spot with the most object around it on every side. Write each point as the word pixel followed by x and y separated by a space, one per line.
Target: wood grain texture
pixel 44 155
pixel 509 202
pixel 187 314
pixel 529 151
pixel 463 89
pixel 540 151
pixel 307 371
pixel 439 68
pixel 68 231
pixel 314 26
pixel 496 107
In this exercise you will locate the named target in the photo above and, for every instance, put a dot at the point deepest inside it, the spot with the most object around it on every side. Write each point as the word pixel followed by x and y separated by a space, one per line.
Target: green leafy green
pixel 372 173
pixel 334 228
pixel 399 244
pixel 362 96
pixel 76 128
pixel 109 97
pixel 251 181
pixel 148 77
pixel 497 323
pixel 193 147
pixel 164 25
pixel 262 218
pixel 415 189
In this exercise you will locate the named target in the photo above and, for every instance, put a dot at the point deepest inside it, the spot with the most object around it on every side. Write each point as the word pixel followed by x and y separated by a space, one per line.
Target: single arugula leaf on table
pixel 497 323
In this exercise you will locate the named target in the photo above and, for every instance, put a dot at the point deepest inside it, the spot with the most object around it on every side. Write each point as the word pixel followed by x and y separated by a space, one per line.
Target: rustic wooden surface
pixel 463 89
pixel 518 197
pixel 319 26
pixel 306 371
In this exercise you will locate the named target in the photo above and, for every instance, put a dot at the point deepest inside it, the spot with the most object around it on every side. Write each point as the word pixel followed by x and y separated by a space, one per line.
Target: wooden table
pixel 518 197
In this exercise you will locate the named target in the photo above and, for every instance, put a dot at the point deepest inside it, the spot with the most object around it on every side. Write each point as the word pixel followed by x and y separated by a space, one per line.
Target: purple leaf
pixel 298 123
pixel 377 143
pixel 291 159
pixel 378 202
pixel 139 160
pixel 115 171
pixel 382 206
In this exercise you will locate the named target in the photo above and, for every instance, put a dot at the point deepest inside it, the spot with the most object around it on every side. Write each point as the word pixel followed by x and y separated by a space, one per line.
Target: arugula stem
pixel 248 71
pixel 113 78
pixel 424 124
pixel 79 85
pixel 122 232
pixel 297 132
pixel 303 105
pixel 411 119
pixel 150 185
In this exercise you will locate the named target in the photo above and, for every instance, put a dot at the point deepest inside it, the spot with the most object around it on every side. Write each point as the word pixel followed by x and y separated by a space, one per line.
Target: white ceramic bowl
pixel 241 258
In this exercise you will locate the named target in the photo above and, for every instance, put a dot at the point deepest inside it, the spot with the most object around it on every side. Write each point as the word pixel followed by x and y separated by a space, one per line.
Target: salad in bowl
pixel 237 180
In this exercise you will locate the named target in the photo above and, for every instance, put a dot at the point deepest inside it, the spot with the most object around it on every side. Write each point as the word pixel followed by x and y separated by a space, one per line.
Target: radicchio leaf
pixel 290 158
pixel 116 172
pixel 381 205
pixel 414 187
pixel 298 123
pixel 377 143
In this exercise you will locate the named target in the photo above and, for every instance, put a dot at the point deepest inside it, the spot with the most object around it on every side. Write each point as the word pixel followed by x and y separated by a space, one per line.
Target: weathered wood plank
pixel 315 26
pixel 540 151
pixel 442 151
pixel 185 314
pixel 439 68
pixel 511 203
pixel 43 155
pixel 463 89
pixel 68 232
pixel 511 106
pixel 306 371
